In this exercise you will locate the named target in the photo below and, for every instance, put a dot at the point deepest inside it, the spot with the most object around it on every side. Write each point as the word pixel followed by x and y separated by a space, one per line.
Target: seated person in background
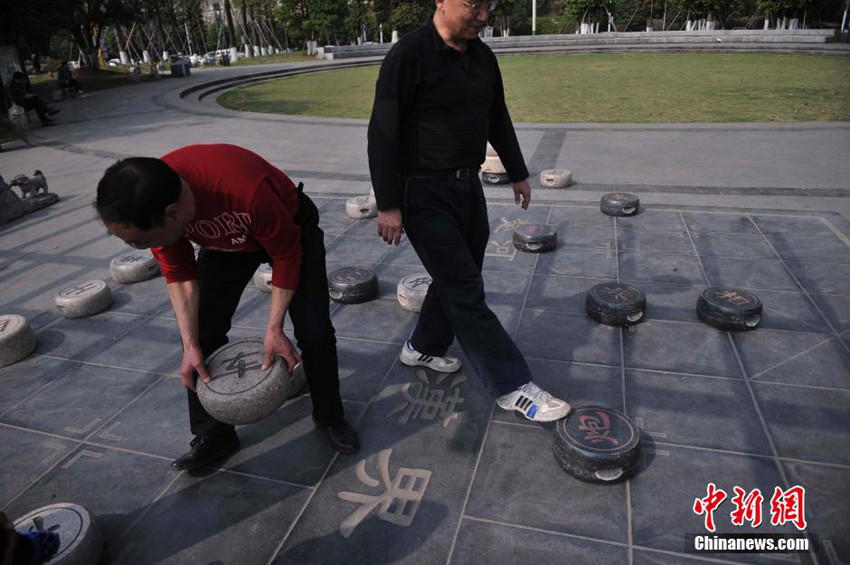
pixel 66 78
pixel 135 73
pixel 21 93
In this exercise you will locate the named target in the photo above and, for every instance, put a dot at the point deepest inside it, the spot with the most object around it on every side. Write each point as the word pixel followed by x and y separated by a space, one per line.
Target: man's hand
pixel 276 342
pixel 193 361
pixel 522 189
pixel 389 226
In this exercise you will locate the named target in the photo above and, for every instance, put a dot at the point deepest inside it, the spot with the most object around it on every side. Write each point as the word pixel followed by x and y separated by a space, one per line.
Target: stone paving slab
pixel 96 413
pixel 714 407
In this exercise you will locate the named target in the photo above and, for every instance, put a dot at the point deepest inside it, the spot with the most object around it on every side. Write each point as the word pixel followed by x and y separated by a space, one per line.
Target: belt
pixel 459 174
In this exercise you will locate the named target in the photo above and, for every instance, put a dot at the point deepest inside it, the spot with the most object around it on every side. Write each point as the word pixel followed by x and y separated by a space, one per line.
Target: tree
pixel 587 11
pixel 358 16
pixel 316 20
pixel 509 13
pixel 228 13
pixel 409 15
pixel 34 22
pixel 782 8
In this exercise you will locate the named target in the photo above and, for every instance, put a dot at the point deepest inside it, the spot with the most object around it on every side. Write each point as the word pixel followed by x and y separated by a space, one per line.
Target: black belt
pixel 459 174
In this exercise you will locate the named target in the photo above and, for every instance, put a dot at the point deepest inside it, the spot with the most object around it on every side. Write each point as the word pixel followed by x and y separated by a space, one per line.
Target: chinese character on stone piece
pixel 618 293
pixel 81 288
pixel 733 297
pixel 134 258
pixel 237 364
pixel 399 501
pixel 424 401
pixel 788 506
pixel 747 508
pixel 419 281
pixel 597 427
pixel 709 504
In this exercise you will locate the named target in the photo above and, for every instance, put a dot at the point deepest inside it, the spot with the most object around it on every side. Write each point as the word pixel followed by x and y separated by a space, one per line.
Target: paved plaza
pixel 96 414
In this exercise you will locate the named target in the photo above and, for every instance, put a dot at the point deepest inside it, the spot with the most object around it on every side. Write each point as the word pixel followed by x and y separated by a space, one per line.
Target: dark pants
pixel 446 222
pixel 34 103
pixel 70 83
pixel 222 277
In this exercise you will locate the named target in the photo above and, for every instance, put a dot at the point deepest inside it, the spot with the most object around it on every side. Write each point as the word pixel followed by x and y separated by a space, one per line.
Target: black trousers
pixel 71 83
pixel 34 103
pixel 446 222
pixel 222 276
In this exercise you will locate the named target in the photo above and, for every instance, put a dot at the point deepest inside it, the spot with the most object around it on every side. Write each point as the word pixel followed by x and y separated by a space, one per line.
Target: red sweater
pixel 242 203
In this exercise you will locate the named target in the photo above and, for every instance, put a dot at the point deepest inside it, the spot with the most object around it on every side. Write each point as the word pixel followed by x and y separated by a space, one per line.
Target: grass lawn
pixel 608 87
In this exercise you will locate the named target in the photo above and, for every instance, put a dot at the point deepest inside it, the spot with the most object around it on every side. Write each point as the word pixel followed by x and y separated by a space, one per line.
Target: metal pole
pixel 534 17
pixel 844 19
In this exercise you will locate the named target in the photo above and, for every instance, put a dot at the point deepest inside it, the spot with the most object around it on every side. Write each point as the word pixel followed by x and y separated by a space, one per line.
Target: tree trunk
pixel 83 44
pixel 165 39
pixel 245 30
pixel 95 44
pixel 203 32
pixel 228 12
pixel 256 31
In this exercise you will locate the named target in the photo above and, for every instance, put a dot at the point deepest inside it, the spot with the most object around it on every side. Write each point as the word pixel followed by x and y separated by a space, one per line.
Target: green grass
pixel 600 88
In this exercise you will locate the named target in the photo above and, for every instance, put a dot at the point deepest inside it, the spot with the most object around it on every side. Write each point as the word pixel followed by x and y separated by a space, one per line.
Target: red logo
pixel 788 506
pixel 597 427
pixel 747 508
pixel 709 504
pixel 785 506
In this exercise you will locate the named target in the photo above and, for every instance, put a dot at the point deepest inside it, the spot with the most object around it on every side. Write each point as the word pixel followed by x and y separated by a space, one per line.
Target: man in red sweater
pixel 242 212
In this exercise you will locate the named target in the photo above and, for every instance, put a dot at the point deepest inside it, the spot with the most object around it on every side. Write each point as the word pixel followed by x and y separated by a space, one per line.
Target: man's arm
pixel 393 92
pixel 276 341
pixel 276 230
pixel 185 300
pixel 503 139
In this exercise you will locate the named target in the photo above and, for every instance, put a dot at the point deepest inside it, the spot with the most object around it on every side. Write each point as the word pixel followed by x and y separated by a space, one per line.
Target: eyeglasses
pixel 477 7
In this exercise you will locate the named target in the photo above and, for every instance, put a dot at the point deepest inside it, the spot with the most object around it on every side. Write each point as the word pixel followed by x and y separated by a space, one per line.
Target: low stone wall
pixel 615 40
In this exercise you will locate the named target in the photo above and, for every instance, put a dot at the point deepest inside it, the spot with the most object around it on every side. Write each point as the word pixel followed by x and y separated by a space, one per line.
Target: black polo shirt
pixel 435 109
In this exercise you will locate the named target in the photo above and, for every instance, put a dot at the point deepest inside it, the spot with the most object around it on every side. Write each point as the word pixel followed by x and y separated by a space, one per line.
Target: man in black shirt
pixel 438 99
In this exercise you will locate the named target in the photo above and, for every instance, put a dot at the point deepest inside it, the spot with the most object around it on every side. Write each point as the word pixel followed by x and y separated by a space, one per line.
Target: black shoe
pixel 207 450
pixel 343 437
pixel 53 111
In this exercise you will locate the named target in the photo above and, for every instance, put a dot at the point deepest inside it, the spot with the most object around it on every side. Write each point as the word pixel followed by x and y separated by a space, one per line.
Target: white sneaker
pixel 412 358
pixel 535 403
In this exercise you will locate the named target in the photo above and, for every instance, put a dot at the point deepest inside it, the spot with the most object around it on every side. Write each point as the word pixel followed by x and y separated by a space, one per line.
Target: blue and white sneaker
pixel 412 358
pixel 535 403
